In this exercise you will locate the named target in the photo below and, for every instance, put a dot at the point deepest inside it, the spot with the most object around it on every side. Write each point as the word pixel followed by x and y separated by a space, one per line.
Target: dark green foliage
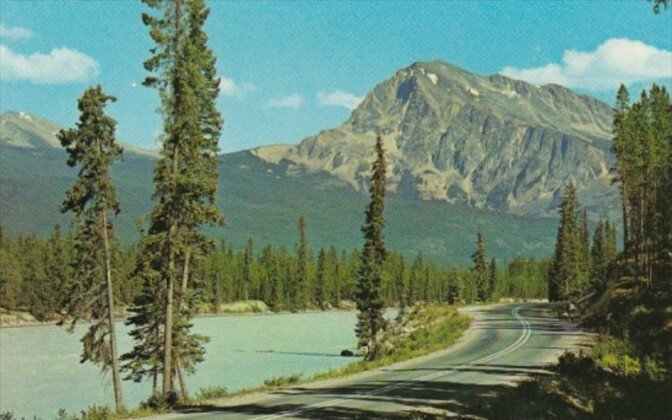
pixel 321 280
pixel 643 148
pixel 182 69
pixel 247 268
pixel 569 271
pixel 93 200
pixel 299 290
pixel 221 274
pixel 525 278
pixel 368 295
pixel 492 277
pixel 480 271
pixel 633 289
pixel 603 254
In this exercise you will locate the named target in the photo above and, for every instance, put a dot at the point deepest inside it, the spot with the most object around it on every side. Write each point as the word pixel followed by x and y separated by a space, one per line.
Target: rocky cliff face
pixel 491 142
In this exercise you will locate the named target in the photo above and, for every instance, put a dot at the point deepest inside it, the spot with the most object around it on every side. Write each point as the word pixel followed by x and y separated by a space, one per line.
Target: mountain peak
pixel 452 135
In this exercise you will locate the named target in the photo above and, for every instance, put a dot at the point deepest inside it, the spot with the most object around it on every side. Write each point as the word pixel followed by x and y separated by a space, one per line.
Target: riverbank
pixel 22 319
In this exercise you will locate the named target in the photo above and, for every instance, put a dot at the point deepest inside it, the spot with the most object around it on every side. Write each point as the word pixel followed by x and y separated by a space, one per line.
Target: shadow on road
pixel 399 400
pixel 378 398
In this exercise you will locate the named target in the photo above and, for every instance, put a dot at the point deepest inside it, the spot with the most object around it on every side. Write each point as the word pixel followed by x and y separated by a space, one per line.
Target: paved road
pixel 504 344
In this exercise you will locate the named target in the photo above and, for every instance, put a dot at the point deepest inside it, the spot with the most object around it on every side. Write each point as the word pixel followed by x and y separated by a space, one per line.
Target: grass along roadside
pixel 423 330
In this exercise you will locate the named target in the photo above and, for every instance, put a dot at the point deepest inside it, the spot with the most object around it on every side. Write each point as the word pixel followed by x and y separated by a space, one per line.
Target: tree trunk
pixel 172 234
pixel 155 375
pixel 180 377
pixel 624 197
pixel 116 378
pixel 181 301
pixel 155 368
pixel 168 328
pixel 185 274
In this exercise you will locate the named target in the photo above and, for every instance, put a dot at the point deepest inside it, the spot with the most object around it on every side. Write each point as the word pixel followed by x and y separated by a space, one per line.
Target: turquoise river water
pixel 40 370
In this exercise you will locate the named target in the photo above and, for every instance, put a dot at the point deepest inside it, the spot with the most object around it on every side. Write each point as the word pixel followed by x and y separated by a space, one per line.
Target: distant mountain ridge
pixel 488 142
pixel 21 129
pixel 260 200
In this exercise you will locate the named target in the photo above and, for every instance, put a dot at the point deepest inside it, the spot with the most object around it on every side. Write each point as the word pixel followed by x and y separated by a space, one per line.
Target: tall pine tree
pixel 182 69
pixel 300 289
pixel 569 275
pixel 368 296
pixel 93 199
pixel 480 269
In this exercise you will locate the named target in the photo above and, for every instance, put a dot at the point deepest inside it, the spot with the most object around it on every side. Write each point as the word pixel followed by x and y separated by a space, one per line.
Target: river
pixel 40 370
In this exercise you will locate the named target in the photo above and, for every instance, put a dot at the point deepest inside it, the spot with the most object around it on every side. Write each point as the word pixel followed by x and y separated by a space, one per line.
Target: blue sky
pixel 292 69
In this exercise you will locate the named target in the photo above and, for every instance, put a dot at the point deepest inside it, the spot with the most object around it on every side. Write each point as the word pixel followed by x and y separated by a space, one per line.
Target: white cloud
pixel 229 87
pixel 615 61
pixel 15 33
pixel 339 98
pixel 61 65
pixel 294 101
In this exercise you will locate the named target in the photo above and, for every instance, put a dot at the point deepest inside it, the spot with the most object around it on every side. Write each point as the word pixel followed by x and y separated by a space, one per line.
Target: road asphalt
pixel 505 344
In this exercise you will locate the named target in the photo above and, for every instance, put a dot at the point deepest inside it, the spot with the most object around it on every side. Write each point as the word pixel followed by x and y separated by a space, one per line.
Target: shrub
pixel 97 412
pixel 160 402
pixel 282 380
pixel 211 393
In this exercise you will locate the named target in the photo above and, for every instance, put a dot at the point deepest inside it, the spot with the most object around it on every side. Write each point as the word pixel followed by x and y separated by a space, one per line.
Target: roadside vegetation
pixel 625 297
pixel 608 382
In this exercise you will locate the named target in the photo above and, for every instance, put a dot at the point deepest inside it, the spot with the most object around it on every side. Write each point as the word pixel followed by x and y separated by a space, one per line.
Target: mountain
pixel 260 199
pixel 486 142
pixel 23 130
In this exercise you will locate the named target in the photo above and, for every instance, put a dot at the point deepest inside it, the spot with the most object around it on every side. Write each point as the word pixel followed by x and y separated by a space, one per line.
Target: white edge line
pixel 527 332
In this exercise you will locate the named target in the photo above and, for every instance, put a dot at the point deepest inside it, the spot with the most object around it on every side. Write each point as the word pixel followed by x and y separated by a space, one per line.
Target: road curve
pixel 504 344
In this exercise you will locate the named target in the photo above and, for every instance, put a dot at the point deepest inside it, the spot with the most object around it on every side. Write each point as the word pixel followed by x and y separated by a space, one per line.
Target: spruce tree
pixel 620 148
pixel 182 69
pixel 321 280
pixel 480 269
pixel 568 277
pixel 597 253
pixel 247 268
pixel 453 290
pixel 368 296
pixel 492 278
pixel 58 271
pixel 401 286
pixel 336 275
pixel 93 200
pixel 415 279
pixel 300 292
